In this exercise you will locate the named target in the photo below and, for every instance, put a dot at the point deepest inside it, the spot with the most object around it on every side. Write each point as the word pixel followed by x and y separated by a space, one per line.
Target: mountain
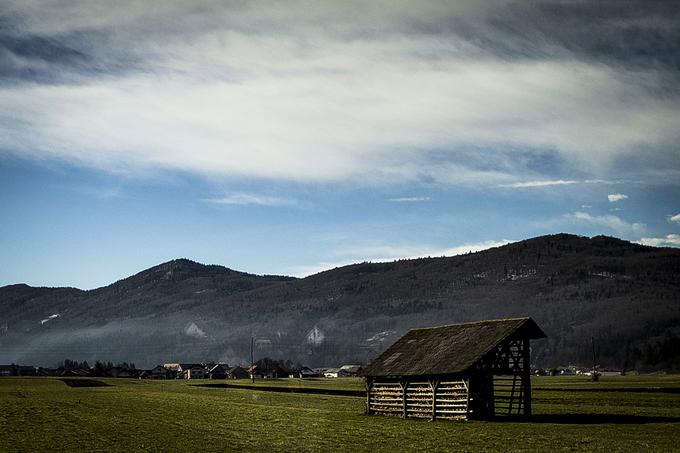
pixel 624 296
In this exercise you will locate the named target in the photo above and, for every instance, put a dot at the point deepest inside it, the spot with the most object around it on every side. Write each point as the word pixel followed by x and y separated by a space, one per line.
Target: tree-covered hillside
pixel 623 295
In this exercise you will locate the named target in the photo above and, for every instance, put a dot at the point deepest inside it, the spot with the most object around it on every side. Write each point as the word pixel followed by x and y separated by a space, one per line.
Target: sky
pixel 294 137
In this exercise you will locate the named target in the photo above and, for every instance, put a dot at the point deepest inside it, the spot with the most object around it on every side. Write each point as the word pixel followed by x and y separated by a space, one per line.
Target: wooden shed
pixel 458 371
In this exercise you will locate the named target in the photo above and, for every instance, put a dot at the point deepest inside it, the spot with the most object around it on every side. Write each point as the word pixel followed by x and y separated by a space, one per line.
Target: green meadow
pixel 636 413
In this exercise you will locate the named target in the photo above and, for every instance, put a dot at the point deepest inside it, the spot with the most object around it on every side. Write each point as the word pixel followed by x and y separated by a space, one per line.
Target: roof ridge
pixel 523 318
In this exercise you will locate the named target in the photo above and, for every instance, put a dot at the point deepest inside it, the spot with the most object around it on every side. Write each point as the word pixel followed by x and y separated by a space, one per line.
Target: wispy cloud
pixel 614 197
pixel 674 218
pixel 529 184
pixel 240 198
pixel 670 240
pixel 357 92
pixel 305 270
pixel 542 183
pixel 379 253
pixel 409 199
pixel 609 222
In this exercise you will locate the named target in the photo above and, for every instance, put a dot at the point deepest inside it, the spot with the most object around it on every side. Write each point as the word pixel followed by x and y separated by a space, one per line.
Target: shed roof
pixel 450 349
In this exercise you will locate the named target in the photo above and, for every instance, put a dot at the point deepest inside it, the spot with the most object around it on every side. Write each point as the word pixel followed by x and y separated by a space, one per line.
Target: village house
pixel 187 370
pixel 157 372
pixel 349 370
pixel 459 371
pixel 160 372
pixel 306 372
pixel 218 371
pixel 256 372
pixel 331 372
pixel 192 371
pixel 237 372
pixel 302 373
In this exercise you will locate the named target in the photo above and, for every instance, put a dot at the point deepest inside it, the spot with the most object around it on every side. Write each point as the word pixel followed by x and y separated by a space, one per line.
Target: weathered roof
pixel 448 349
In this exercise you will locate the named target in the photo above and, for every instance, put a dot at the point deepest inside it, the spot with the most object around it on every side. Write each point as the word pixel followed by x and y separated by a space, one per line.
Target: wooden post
pixel 512 392
pixel 369 384
pixel 491 392
pixel 404 385
pixel 433 385
pixel 467 403
pixel 526 377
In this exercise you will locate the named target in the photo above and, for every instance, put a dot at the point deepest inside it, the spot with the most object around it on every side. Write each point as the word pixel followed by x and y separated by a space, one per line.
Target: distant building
pixel 256 372
pixel 331 372
pixel 192 371
pixel 306 372
pixel 160 372
pixel 460 371
pixel 238 372
pixel 350 370
pixel 187 370
pixel 218 371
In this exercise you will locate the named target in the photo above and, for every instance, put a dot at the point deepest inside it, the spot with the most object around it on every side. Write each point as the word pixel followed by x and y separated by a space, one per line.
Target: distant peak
pixel 181 262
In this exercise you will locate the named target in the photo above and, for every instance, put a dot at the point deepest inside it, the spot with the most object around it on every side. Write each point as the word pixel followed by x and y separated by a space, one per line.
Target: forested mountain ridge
pixel 624 295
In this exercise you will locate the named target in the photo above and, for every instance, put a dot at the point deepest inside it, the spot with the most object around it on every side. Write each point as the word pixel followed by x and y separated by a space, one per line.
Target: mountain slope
pixel 622 294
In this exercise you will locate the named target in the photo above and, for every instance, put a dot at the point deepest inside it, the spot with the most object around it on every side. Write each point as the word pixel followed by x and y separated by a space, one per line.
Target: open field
pixel 44 414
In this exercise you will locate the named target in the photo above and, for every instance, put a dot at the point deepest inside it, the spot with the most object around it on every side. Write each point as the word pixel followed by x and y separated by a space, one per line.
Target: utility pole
pixel 595 374
pixel 252 359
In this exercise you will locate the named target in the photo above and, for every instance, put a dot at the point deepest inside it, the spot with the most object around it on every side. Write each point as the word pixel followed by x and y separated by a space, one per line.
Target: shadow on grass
pixel 609 389
pixel 590 419
pixel 313 391
pixel 84 383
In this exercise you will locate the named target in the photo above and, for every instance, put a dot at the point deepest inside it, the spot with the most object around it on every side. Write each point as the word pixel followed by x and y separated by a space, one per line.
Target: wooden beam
pixel 433 385
pixel 369 384
pixel 467 402
pixel 526 378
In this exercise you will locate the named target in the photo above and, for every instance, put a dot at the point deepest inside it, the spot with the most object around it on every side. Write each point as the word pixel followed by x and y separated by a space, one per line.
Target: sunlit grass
pixel 43 414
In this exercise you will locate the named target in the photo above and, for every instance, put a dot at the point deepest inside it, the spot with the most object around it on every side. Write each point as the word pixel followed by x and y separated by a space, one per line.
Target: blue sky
pixel 293 140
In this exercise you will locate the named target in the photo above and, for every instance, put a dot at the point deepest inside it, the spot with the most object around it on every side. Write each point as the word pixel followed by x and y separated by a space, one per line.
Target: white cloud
pixel 671 240
pixel 614 197
pixel 320 93
pixel 675 218
pixel 240 198
pixel 385 253
pixel 409 199
pixel 542 183
pixel 305 270
pixel 609 222
pixel 381 253
pixel 559 182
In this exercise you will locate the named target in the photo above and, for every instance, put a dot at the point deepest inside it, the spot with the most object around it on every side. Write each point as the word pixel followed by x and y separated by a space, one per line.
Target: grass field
pixel 44 414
